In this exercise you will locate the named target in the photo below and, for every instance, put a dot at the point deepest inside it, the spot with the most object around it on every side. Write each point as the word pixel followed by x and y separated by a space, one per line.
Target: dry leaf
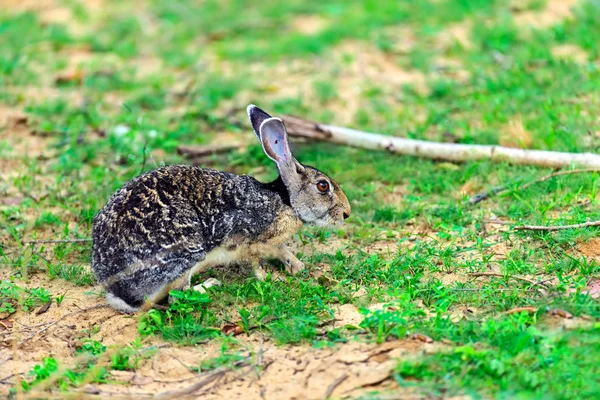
pixel 18 121
pixel 561 313
pixel 44 308
pixel 73 76
pixel 421 338
pixel 528 309
pixel 5 325
pixel 232 329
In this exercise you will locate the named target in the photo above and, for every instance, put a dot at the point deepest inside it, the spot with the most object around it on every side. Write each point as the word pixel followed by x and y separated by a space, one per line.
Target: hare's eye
pixel 323 186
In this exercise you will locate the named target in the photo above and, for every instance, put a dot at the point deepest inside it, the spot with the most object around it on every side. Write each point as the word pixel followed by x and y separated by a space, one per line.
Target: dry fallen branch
pixel 479 197
pixel 500 189
pixel 556 228
pixel 299 127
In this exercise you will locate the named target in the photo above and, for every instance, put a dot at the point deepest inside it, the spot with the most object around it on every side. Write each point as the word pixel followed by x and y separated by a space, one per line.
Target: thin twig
pixel 57 241
pixel 503 188
pixel 334 385
pixel 519 278
pixel 208 379
pixel 559 173
pixel 4 381
pixel 556 228
pixel 479 197
pixel 259 357
pixel 144 154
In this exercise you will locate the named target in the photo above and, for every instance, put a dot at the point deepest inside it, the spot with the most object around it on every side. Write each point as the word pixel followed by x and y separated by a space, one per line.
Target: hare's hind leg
pixel 184 282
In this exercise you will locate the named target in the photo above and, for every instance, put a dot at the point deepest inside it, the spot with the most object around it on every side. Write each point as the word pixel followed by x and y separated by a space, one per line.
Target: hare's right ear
pixel 257 117
pixel 274 139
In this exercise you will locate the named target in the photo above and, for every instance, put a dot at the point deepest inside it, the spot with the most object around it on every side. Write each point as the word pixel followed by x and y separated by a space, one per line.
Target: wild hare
pixel 168 224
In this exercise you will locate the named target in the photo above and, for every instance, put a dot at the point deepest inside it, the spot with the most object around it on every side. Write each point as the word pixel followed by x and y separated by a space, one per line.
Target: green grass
pixel 511 358
pixel 13 296
pixel 170 74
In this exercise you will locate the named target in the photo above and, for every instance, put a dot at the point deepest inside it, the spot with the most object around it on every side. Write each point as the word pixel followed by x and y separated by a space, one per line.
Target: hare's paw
pixel 291 262
pixel 210 282
pixel 261 274
pixel 259 271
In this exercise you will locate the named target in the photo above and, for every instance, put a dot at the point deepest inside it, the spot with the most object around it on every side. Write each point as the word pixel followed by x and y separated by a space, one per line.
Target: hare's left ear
pixel 274 139
pixel 257 117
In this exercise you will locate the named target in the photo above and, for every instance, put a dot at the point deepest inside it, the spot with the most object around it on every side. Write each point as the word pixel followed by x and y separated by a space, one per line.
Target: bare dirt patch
pixel 401 38
pixel 53 12
pixel 452 68
pixel 309 24
pixel 590 249
pixel 374 64
pixel 570 52
pixel 359 66
pixel 554 12
pixel 457 33
pixel 289 372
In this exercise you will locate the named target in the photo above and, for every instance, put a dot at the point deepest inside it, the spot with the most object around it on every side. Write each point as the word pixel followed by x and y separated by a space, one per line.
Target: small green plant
pixel 226 358
pixel 12 295
pixel 59 299
pixel 188 318
pixel 77 274
pixel 129 357
pixel 92 347
pixel 70 377
pixel 394 319
pixel 297 329
pixel 41 372
pixel 47 218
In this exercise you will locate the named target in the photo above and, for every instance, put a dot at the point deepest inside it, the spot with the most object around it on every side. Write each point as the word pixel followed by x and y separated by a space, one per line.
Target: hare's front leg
pixel 290 261
pixel 261 274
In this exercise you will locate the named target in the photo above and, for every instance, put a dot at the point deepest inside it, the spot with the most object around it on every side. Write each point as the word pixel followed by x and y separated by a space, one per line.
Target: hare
pixel 168 224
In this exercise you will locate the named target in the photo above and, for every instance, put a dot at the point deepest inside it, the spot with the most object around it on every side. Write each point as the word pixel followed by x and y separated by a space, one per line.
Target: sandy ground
pixel 268 372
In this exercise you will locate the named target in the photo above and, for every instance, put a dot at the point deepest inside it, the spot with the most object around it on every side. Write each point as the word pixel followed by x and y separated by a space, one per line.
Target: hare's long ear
pixel 257 117
pixel 274 139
